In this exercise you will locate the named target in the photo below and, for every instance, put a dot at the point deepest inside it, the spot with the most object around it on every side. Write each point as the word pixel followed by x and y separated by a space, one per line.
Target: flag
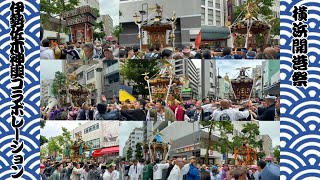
pixel 198 40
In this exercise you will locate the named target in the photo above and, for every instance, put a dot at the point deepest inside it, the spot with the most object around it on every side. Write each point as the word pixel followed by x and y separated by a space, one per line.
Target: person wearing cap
pixel 158 168
pixel 255 173
pixel 193 173
pixel 179 170
pixel 267 113
pixel 42 176
pixel 134 171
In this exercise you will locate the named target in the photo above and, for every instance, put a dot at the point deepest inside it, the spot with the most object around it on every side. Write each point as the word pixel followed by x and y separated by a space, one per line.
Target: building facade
pixel 266 144
pixel 45 91
pixel 105 76
pixel 188 20
pixel 101 135
pixel 107 24
pixel 208 79
pixel 185 67
pixel 184 143
pixel 135 137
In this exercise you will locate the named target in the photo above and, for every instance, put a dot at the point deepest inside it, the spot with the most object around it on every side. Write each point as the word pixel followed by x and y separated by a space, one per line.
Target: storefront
pixel 106 154
pixel 214 36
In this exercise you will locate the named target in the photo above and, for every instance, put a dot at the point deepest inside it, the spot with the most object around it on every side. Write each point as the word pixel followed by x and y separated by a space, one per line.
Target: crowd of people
pixel 51 170
pixel 183 169
pixel 264 170
pixel 267 109
pixel 175 169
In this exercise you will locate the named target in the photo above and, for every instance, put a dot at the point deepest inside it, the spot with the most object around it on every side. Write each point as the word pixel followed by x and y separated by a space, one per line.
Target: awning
pixel 214 33
pixel 105 151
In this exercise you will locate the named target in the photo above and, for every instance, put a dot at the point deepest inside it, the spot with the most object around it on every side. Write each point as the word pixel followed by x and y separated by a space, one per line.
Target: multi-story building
pixel 271 77
pixel 46 91
pixel 266 144
pixel 188 20
pixel 105 76
pixel 135 137
pixel 185 143
pixel 91 3
pixel 208 78
pixel 101 135
pixel 185 67
pixel 256 76
pixel 224 87
pixel 107 24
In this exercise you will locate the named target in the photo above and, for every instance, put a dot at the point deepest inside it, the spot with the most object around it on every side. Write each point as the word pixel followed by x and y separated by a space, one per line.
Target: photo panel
pixel 71 90
pixel 87 148
pixel 241 150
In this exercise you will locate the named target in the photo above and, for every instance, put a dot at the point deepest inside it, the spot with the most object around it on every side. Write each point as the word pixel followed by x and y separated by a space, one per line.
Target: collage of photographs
pixel 117 76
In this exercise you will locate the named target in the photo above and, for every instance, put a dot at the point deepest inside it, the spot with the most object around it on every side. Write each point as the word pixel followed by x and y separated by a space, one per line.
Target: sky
pixel 125 129
pixel 49 67
pixel 272 128
pixel 54 128
pixel 110 7
pixel 230 66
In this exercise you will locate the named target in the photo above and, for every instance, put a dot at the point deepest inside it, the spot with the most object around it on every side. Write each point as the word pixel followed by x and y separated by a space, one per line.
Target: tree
pixel 54 146
pixel 138 152
pixel 55 8
pixel 222 144
pixel 117 30
pixel 276 153
pixel 42 124
pixel 133 69
pixel 129 153
pixel 43 140
pixel 43 153
pixel 58 83
pixel 250 132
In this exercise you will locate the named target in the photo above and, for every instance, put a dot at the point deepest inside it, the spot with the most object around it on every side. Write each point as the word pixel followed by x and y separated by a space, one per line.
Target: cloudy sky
pixel 54 128
pixel 230 66
pixel 125 129
pixel 272 128
pixel 49 68
pixel 110 7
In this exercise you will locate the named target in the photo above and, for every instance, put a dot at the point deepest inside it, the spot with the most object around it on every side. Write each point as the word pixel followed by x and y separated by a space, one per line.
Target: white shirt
pixel 75 173
pixel 229 114
pixel 46 53
pixel 208 108
pixel 115 175
pixel 177 174
pixel 107 175
pixel 157 170
pixel 134 171
pixel 84 175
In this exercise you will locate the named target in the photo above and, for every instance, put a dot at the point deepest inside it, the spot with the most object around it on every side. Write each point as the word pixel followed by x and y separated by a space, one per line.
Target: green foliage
pixel 275 29
pixel 54 146
pixel 117 30
pixel 53 8
pixel 276 153
pixel 223 145
pixel 129 153
pixel 261 155
pixel 59 82
pixel 250 133
pixel 58 144
pixel 99 35
pixel 42 123
pixel 139 152
pixel 43 153
pixel 133 69
pixel 43 140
